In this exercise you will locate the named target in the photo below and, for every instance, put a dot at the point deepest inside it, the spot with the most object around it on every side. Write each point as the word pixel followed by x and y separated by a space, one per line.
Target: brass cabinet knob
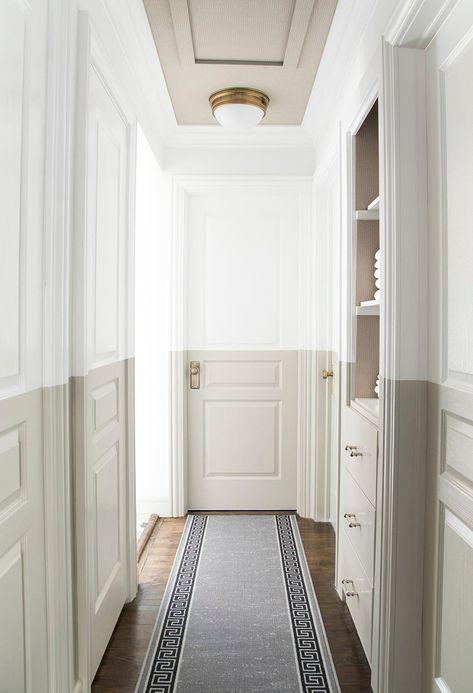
pixel 327 374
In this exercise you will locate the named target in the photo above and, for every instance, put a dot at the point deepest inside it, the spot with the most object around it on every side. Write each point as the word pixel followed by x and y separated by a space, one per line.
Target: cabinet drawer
pixel 358 520
pixel 360 451
pixel 358 592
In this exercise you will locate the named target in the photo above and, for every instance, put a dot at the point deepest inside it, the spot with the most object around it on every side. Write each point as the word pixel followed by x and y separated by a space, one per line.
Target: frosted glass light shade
pixel 239 108
pixel 238 116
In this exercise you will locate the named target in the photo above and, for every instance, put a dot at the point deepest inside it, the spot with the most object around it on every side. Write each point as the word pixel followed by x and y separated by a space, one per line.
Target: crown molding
pixel 216 136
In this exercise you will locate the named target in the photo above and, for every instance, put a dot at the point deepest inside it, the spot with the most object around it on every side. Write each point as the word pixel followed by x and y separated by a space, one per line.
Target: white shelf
pixel 367 214
pixel 374 204
pixel 369 308
pixel 369 404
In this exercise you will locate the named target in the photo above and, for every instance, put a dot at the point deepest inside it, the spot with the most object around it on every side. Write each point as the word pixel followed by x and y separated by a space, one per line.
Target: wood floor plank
pixel 121 664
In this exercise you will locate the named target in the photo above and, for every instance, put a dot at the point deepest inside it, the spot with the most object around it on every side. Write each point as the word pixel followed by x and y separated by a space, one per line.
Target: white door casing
pixel 449 519
pixel 242 322
pixel 102 392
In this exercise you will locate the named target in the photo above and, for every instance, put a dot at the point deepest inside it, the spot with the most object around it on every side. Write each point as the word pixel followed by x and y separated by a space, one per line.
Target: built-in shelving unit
pixel 366 305
pixel 360 413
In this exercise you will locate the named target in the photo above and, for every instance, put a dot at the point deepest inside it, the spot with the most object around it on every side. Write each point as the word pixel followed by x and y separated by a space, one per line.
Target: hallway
pixel 235 279
pixel 120 667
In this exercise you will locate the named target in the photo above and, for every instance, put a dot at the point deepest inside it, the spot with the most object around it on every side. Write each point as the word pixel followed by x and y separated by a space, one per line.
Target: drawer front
pixel 360 451
pixel 358 592
pixel 358 520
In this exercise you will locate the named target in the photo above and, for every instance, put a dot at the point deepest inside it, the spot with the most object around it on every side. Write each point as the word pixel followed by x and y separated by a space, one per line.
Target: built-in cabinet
pixel 360 384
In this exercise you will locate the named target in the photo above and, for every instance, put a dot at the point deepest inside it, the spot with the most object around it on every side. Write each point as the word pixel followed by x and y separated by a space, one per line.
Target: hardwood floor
pixel 121 664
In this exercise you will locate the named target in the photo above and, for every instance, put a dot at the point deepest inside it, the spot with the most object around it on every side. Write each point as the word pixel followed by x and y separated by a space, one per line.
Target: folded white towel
pixel 377 295
pixel 377 273
pixel 377 283
pixel 376 264
pixel 377 255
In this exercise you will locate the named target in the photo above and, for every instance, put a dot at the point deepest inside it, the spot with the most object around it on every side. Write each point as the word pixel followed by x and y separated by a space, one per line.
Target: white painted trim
pixel 56 435
pixel 131 486
pixel 178 415
pixel 402 129
pixel 214 136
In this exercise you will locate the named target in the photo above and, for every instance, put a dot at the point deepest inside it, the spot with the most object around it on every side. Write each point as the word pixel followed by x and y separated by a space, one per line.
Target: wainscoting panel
pixel 455 665
pixel 23 639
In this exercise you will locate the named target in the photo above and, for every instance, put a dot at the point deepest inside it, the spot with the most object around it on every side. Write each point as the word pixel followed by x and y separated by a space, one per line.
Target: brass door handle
pixel 195 375
pixel 327 374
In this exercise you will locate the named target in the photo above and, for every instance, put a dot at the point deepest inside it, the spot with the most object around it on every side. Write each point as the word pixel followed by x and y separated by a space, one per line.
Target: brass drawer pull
pixel 350 447
pixel 354 453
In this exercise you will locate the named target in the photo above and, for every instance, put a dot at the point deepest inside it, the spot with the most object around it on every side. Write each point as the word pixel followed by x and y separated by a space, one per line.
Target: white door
pixel 103 465
pixel 23 602
pixel 449 517
pixel 242 329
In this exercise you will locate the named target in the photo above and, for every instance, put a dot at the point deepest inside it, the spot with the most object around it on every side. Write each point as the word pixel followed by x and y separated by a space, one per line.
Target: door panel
pixel 242 431
pixel 101 386
pixel 449 570
pixel 242 326
pixel 107 476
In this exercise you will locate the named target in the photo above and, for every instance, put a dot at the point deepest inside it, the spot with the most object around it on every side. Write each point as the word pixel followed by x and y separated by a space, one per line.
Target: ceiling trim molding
pixel 182 31
pixel 216 136
pixel 131 26
pixel 297 32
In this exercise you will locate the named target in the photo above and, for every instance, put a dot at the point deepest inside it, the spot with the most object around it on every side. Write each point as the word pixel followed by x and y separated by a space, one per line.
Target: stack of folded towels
pixel 376 388
pixel 377 276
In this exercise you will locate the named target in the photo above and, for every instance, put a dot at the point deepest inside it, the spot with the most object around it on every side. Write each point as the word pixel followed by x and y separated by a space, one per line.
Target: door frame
pixel 182 188
pixel 398 607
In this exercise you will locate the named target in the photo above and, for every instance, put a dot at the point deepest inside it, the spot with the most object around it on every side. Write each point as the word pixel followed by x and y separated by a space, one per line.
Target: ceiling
pixel 271 45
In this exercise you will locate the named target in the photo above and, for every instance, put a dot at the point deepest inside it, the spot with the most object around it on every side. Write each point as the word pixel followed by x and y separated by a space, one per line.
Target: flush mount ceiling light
pixel 239 108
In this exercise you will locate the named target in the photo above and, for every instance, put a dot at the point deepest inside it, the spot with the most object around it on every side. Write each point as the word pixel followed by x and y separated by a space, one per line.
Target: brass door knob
pixel 327 374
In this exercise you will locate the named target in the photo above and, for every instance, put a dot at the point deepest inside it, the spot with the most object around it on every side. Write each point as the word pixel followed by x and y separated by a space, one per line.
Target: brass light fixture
pixel 239 108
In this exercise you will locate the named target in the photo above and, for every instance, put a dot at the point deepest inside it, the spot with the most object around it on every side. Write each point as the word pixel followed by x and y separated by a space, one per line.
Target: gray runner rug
pixel 239 614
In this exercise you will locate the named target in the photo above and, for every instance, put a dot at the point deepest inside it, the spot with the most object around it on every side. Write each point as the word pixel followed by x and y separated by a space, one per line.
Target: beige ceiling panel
pixel 250 30
pixel 230 36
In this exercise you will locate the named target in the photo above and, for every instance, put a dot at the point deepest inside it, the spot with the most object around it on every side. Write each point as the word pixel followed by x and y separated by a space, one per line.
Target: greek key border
pixel 308 651
pixel 163 671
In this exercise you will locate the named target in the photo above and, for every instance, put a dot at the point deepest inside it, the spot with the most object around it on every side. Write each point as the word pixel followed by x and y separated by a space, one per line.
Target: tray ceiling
pixel 272 45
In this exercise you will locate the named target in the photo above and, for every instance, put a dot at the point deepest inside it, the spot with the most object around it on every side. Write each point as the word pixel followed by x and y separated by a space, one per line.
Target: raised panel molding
pixel 457 147
pixel 457 449
pixel 13 662
pixel 455 606
pixel 105 404
pixel 264 374
pixel 235 439
pixel 10 466
pixel 248 248
pixel 108 253
pixel 14 99
pixel 107 504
